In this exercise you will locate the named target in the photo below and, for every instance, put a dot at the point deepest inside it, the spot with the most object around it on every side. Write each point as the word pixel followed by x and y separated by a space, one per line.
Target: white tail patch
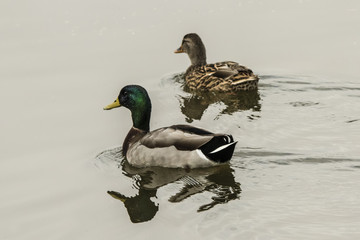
pixel 244 80
pixel 222 147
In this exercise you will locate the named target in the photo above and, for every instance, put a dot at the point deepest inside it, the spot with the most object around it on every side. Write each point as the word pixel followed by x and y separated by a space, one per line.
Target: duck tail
pixel 245 79
pixel 219 149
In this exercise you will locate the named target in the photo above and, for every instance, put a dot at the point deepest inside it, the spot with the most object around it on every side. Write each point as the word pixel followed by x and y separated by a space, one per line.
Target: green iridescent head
pixel 136 99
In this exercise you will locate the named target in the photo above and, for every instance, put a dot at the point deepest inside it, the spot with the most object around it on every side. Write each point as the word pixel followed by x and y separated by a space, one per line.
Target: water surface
pixel 295 171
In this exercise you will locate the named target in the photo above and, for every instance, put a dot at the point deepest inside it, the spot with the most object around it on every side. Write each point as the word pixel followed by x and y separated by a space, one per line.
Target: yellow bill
pixel 115 104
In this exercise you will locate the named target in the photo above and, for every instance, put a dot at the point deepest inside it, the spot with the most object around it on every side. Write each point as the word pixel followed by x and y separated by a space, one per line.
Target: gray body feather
pixel 176 146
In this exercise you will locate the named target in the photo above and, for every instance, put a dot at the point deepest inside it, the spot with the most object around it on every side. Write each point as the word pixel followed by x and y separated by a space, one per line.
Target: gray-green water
pixel 295 171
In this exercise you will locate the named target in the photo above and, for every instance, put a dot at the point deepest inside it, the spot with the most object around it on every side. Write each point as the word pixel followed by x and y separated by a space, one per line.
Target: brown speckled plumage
pixel 222 76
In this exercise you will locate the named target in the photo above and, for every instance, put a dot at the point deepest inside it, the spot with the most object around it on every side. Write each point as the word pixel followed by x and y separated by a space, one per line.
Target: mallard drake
pixel 177 146
pixel 222 76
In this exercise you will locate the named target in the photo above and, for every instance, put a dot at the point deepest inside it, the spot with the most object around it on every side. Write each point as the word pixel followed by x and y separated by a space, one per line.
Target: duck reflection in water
pixel 194 103
pixel 218 180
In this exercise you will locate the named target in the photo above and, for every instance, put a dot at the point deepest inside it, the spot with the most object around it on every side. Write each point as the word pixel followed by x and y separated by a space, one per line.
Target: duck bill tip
pixel 115 104
pixel 179 50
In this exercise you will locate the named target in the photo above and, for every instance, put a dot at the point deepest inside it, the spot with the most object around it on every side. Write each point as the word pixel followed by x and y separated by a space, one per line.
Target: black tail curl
pixel 219 149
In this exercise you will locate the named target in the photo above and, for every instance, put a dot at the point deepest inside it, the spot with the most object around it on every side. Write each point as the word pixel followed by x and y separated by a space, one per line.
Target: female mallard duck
pixel 177 146
pixel 222 76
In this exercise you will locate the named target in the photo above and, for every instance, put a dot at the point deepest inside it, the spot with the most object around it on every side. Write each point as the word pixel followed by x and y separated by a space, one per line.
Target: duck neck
pixel 141 118
pixel 198 57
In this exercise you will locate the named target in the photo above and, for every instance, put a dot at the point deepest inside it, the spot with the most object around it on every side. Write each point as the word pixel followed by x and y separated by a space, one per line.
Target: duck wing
pixel 227 69
pixel 182 137
pixel 215 147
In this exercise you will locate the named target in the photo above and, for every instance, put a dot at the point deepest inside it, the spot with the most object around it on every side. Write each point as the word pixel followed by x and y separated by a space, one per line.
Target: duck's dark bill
pixel 115 104
pixel 179 50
